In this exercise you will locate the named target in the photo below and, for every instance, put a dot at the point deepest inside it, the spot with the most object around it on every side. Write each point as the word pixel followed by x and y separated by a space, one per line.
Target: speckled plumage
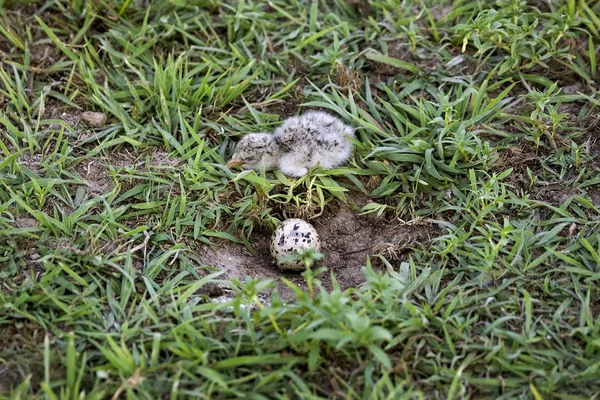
pixel 299 144
pixel 256 151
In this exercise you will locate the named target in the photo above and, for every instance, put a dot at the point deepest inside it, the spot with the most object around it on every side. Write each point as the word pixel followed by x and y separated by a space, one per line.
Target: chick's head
pixel 254 151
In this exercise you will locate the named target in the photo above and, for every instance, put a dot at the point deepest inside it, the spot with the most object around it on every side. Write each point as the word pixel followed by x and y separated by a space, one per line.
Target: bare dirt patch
pixel 43 55
pixel 519 157
pixel 96 171
pixel 422 58
pixel 401 50
pixel 21 340
pixel 593 194
pixel 31 162
pixel 592 139
pixel 9 377
pixel 284 108
pixel 96 176
pixel 55 110
pixel 555 194
pixel 347 240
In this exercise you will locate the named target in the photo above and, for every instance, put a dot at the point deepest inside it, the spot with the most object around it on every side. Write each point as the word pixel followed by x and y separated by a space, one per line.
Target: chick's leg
pixel 291 165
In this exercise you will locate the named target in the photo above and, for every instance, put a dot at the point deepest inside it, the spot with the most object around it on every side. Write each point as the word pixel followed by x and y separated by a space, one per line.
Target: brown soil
pixel 399 49
pixel 96 174
pixel 347 240
pixel 59 111
pixel 593 194
pixel 519 157
pixel 31 162
pixel 553 194
pixel 9 377
pixel 284 108
pixel 522 156
pixel 20 340
pixel 591 138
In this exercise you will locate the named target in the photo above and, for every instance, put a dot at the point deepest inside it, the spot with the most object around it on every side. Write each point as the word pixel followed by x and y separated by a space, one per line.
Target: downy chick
pixel 299 144
pixel 256 151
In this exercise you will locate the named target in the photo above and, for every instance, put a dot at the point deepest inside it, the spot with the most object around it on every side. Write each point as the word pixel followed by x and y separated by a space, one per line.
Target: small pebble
pixel 94 119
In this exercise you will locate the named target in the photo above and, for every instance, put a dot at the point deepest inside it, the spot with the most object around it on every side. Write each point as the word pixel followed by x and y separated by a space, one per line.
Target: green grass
pixel 481 117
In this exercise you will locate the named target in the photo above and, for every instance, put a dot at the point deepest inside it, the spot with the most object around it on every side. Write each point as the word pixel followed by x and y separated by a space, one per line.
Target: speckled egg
pixel 290 235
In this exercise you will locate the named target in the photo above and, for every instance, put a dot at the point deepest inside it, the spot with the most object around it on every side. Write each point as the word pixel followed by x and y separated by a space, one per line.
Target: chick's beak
pixel 234 162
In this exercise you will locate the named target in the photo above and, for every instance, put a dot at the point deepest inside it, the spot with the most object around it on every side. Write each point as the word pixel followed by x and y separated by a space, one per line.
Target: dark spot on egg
pixel 281 240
